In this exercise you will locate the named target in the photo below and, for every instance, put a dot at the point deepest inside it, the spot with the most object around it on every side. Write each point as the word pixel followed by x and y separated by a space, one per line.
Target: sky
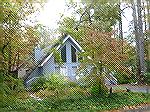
pixel 52 11
pixel 50 15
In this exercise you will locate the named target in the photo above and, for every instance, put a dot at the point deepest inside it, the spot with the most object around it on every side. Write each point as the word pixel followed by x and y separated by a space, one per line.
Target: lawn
pixel 78 102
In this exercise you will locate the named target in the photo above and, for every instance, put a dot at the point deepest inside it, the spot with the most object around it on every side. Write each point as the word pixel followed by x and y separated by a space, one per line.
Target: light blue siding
pixel 37 72
pixel 38 54
pixel 49 66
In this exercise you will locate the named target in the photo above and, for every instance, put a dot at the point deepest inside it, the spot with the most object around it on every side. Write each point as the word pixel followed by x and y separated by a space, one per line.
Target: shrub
pixel 98 90
pixel 38 84
pixel 124 79
pixel 72 84
pixel 147 78
pixel 55 81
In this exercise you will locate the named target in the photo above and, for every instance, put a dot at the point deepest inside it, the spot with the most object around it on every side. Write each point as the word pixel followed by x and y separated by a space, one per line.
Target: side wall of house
pixel 49 66
pixel 68 67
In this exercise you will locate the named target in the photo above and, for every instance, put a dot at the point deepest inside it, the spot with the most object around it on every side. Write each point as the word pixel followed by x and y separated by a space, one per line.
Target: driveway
pixel 134 88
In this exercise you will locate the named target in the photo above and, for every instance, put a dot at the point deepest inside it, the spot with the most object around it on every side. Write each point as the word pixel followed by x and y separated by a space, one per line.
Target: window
pixel 73 54
pixel 63 54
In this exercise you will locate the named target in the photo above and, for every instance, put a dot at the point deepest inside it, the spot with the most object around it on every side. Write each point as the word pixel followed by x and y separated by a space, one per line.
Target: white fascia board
pixel 75 43
pixel 46 59
pixel 67 37
pixel 49 57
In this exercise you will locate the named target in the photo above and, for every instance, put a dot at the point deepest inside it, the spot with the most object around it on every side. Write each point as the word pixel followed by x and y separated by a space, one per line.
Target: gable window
pixel 73 54
pixel 63 54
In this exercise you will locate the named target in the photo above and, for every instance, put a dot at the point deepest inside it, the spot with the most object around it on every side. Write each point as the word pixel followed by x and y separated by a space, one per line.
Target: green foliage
pixel 55 82
pixel 148 65
pixel 51 82
pixel 106 15
pixel 79 103
pixel 38 84
pixel 125 79
pixel 98 90
pixel 72 84
pixel 57 56
pixel 11 90
pixel 147 78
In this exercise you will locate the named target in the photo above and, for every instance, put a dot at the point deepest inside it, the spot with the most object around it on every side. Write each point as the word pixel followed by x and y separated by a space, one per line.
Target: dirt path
pixel 140 109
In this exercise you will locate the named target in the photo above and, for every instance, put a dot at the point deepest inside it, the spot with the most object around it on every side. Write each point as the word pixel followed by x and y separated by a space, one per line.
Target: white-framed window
pixel 73 54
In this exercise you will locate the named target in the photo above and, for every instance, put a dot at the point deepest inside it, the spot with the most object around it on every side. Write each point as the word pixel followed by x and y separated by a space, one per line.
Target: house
pixel 46 63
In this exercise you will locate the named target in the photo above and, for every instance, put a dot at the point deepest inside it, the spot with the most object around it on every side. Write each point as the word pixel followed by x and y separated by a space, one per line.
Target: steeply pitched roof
pixel 58 45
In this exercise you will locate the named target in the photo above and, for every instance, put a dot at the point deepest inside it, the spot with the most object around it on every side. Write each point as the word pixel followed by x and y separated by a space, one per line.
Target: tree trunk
pixel 141 41
pixel 139 37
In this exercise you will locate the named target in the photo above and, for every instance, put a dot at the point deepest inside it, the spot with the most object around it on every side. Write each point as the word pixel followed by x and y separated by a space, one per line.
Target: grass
pixel 78 103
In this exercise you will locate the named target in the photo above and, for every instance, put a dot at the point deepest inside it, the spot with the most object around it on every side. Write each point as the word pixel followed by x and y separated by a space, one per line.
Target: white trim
pixel 46 60
pixel 49 57
pixel 34 78
pixel 75 43
pixel 67 37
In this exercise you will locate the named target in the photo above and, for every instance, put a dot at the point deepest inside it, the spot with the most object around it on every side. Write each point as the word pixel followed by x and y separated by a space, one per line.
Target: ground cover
pixel 77 102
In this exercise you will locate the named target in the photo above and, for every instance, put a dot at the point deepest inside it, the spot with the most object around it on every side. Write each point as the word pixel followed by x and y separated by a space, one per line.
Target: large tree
pixel 18 38
pixel 94 31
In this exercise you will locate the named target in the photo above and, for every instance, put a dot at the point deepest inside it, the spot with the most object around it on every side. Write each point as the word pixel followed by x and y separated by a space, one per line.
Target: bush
pixel 77 91
pixel 55 81
pixel 38 84
pixel 72 84
pixel 124 79
pixel 98 90
pixel 147 78
pixel 51 82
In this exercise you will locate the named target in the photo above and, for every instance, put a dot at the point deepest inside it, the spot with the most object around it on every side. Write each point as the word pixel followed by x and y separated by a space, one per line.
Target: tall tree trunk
pixel 141 40
pixel 138 38
pixel 145 29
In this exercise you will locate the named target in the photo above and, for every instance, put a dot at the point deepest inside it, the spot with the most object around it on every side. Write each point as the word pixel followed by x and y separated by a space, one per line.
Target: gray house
pixel 46 63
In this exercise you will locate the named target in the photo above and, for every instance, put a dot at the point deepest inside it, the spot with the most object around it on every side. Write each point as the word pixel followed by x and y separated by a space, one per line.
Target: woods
pixel 107 51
